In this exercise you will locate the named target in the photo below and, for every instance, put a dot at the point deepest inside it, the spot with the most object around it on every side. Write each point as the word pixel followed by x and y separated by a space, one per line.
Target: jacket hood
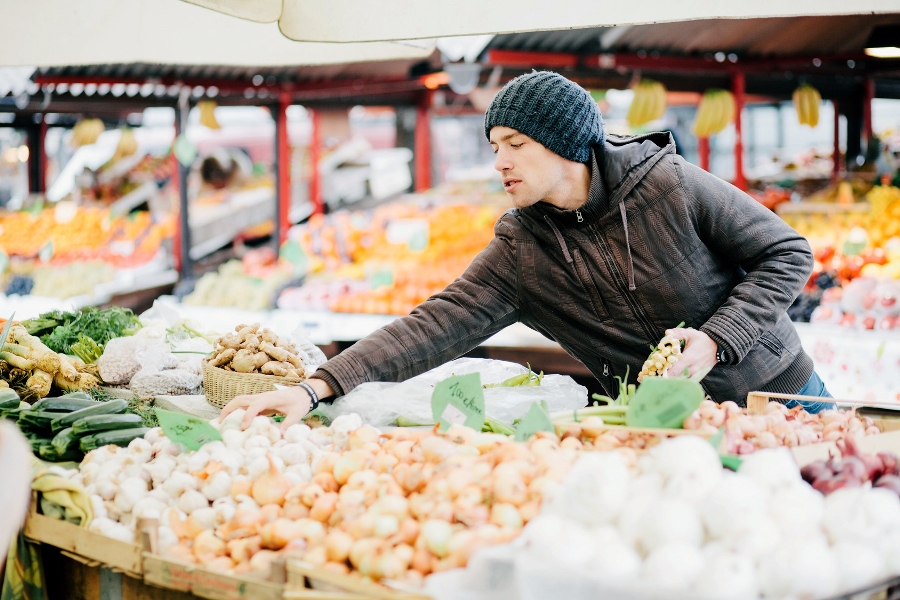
pixel 616 167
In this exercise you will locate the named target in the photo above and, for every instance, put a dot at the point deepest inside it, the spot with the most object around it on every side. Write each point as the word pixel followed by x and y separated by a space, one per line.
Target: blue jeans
pixel 814 387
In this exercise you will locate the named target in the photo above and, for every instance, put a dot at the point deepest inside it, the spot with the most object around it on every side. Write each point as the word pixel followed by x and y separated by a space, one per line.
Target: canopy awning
pixel 382 20
pixel 46 33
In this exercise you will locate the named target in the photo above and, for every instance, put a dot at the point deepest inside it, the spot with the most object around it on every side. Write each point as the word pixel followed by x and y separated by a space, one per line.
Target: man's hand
pixel 699 351
pixel 292 402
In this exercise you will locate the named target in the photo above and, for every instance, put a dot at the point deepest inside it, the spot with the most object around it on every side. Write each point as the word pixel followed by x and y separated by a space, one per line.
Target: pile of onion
pixel 853 469
pixel 779 426
pixel 395 506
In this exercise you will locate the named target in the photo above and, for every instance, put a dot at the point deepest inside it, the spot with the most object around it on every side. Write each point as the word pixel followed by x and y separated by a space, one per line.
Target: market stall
pixel 407 501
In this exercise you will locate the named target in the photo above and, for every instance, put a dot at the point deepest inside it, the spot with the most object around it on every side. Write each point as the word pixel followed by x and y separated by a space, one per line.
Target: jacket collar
pixel 616 168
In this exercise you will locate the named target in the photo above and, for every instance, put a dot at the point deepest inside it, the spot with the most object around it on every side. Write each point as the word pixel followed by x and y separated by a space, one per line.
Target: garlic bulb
pixel 192 500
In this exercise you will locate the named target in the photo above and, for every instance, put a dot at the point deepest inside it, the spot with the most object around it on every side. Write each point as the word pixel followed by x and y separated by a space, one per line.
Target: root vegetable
pixel 279 369
pixel 223 358
pixel 272 487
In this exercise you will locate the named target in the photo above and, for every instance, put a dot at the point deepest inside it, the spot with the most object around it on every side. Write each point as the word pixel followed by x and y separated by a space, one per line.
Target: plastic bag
pixel 119 361
pixel 160 374
pixel 311 355
pixel 380 404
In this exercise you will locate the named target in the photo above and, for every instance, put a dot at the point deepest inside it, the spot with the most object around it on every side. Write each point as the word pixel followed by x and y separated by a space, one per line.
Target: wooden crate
pixel 171 574
pixel 301 574
pixel 888 440
pixel 79 542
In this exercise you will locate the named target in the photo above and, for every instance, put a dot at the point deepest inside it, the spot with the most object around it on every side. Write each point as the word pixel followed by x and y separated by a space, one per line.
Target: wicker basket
pixel 222 386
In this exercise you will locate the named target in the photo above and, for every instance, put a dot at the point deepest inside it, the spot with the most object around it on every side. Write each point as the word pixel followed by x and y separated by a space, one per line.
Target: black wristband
pixel 313 396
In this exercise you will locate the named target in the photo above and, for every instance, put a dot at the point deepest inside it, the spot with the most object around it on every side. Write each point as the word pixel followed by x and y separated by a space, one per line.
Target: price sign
pixel 536 419
pixel 46 253
pixel 293 253
pixel 185 151
pixel 189 430
pixel 459 400
pixel 666 403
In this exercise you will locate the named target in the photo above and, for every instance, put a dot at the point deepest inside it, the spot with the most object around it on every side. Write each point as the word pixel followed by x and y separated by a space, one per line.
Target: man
pixel 613 241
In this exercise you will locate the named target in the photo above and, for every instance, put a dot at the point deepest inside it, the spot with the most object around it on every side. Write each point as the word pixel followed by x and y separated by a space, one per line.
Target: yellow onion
pixel 271 487
pixel 436 533
pixel 337 545
pixel 323 507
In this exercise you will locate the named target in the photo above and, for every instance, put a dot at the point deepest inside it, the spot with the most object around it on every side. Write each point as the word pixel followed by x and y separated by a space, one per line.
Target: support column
pixel 315 178
pixel 422 153
pixel 186 269
pixel 703 152
pixel 737 88
pixel 282 171
pixel 37 158
pixel 836 155
pixel 868 95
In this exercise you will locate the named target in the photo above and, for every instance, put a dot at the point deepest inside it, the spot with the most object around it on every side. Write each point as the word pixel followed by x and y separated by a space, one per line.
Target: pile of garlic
pixel 154 478
pixel 680 526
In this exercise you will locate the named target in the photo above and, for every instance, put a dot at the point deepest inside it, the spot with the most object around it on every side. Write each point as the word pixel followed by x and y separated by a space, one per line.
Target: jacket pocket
pixel 587 282
pixel 770 341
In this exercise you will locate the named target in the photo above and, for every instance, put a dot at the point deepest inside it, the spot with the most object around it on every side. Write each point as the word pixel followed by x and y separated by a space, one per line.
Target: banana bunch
pixel 127 145
pixel 806 102
pixel 717 109
pixel 649 102
pixel 86 131
pixel 208 114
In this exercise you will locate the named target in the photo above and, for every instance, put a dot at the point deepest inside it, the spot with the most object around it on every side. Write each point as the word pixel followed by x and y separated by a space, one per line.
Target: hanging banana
pixel 86 131
pixel 208 114
pixel 127 145
pixel 806 100
pixel 717 109
pixel 649 103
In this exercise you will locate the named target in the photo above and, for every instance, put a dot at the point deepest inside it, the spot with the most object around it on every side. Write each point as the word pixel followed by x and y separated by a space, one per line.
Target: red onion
pixel 890 482
pixel 815 470
pixel 874 466
pixel 854 468
pixel 889 460
pixel 831 484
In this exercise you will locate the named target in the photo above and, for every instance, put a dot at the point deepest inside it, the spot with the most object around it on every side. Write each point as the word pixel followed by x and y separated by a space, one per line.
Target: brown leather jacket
pixel 660 241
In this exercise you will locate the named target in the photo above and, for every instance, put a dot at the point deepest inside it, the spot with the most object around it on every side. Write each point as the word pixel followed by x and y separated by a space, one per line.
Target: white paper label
pixel 453 415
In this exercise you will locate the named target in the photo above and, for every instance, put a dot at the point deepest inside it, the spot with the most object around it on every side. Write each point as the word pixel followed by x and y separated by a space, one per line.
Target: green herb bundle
pixel 72 332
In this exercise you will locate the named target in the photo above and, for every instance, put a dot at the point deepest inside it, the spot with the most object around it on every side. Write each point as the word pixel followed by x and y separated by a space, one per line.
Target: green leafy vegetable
pixel 61 331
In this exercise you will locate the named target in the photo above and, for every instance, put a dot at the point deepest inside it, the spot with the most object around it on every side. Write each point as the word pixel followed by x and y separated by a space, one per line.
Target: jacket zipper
pixel 636 308
pixel 578 216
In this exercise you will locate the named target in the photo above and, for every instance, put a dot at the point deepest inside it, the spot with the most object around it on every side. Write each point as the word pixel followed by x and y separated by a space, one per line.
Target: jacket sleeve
pixel 776 259
pixel 480 303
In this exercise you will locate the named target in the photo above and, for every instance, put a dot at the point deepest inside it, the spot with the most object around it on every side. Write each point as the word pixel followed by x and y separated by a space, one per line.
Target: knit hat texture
pixel 550 109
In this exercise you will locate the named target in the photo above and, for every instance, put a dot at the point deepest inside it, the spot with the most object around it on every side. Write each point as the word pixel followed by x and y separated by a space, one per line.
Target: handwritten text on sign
pixel 459 400
pixel 191 431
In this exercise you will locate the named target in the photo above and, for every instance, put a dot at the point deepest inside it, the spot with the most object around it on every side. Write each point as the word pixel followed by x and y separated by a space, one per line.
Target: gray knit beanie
pixel 550 109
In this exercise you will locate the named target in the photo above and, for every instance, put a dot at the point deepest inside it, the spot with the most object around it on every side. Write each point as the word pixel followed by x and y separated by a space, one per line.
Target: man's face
pixel 530 171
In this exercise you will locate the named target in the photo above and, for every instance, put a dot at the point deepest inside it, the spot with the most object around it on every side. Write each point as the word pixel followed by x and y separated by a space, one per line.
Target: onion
pixel 801 569
pixel 272 487
pixel 673 567
pixel 859 564
pixel 728 576
pixel 669 520
pixel 890 482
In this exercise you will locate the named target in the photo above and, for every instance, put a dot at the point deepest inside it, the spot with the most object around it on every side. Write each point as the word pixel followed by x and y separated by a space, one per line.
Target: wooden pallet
pixel 83 545
pixel 304 575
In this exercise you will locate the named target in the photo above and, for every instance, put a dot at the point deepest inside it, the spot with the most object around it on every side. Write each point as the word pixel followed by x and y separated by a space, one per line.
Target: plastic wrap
pixel 161 374
pixel 380 404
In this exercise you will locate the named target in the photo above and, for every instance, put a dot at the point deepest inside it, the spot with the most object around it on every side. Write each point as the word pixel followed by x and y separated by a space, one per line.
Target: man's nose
pixel 502 163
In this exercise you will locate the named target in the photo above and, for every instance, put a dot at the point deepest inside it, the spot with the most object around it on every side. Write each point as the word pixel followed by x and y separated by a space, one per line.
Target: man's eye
pixel 516 145
pixel 495 150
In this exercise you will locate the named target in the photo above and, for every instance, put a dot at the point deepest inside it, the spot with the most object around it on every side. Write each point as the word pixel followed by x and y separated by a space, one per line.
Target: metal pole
pixel 422 153
pixel 703 152
pixel 737 87
pixel 868 95
pixel 836 157
pixel 187 264
pixel 282 170
pixel 315 177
